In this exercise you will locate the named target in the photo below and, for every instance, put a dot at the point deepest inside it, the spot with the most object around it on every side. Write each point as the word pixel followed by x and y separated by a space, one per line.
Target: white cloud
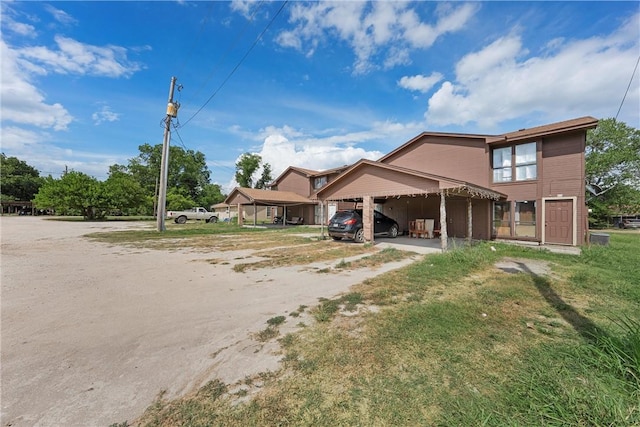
pixel 73 57
pixel 104 115
pixel 386 29
pixel 22 102
pixel 420 83
pixel 60 15
pixel 568 78
pixel 286 146
pixel 36 148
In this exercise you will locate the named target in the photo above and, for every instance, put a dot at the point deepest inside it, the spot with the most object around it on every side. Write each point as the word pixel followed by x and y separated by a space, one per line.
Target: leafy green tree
pixel 176 201
pixel 210 195
pixel 123 191
pixel 612 170
pixel 266 177
pixel 187 170
pixel 246 166
pixel 18 180
pixel 74 191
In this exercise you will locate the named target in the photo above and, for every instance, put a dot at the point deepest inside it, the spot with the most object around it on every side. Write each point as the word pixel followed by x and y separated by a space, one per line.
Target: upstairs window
pixel 319 182
pixel 502 164
pixel 526 161
pixel 515 163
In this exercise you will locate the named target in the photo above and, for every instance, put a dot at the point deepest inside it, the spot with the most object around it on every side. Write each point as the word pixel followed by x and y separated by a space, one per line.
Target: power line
pixel 253 45
pixel 229 49
pixel 627 91
pixel 197 38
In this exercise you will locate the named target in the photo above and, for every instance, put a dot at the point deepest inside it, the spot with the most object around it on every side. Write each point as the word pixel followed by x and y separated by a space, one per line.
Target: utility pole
pixel 172 111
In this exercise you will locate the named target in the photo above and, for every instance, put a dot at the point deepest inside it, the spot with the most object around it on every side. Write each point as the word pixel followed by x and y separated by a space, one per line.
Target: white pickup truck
pixel 199 213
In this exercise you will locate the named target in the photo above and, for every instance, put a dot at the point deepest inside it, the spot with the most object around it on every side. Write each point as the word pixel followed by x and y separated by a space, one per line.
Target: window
pixel 526 161
pixel 502 164
pixel 521 157
pixel 525 218
pixel 502 219
pixel 319 182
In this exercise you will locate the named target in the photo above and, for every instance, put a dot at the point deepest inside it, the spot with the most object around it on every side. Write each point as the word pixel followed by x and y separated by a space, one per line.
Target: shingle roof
pixel 268 197
pixel 586 122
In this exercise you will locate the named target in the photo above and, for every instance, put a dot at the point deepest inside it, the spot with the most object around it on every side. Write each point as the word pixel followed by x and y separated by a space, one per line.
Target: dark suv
pixel 348 224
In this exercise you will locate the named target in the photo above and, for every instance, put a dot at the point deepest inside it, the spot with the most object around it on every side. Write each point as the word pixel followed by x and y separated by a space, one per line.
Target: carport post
pixel 367 218
pixel 443 222
pixel 469 220
pixel 322 220
pixel 240 215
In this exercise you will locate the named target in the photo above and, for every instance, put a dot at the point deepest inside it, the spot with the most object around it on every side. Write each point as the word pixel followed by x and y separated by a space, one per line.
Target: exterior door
pixel 559 222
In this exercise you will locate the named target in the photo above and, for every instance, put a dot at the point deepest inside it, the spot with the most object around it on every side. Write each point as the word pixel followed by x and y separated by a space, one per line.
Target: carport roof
pixel 251 196
pixel 446 185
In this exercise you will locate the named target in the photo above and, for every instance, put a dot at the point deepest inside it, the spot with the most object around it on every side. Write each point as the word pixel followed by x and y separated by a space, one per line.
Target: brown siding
pixel 378 181
pixel 457 158
pixel 295 182
pixel 563 166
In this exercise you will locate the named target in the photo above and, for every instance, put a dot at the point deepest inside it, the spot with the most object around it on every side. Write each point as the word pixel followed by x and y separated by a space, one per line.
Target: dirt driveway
pixel 93 333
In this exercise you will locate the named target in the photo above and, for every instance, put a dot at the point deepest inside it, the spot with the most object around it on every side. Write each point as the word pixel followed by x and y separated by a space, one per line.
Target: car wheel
pixel 393 231
pixel 181 219
pixel 359 236
pixel 213 220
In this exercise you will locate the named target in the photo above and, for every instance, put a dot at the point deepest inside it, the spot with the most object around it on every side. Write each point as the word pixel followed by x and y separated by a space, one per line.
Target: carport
pixel 255 197
pixel 458 208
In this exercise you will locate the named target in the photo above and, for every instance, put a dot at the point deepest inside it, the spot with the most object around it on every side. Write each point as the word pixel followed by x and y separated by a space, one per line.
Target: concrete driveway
pixel 93 333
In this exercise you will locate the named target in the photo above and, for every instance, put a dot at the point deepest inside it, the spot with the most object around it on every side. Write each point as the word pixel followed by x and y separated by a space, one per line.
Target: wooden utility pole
pixel 172 111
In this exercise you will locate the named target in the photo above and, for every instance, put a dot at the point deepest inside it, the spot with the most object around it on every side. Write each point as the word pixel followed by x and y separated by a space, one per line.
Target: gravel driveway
pixel 93 333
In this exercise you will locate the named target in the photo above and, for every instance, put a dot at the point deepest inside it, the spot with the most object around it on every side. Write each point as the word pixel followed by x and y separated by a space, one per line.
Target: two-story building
pixel 523 185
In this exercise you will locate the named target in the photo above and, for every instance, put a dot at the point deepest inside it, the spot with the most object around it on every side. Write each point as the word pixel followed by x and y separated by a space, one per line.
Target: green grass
pixel 458 342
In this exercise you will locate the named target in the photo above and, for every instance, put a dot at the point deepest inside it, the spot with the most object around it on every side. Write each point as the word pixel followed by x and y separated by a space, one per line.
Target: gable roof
pixel 445 184
pixel 309 173
pixel 581 123
pixel 266 197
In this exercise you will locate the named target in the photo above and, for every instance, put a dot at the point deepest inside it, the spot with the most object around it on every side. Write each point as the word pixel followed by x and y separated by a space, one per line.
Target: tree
pixel 123 192
pixel 74 191
pixel 19 181
pixel 246 166
pixel 612 170
pixel 210 195
pixel 187 169
pixel 266 177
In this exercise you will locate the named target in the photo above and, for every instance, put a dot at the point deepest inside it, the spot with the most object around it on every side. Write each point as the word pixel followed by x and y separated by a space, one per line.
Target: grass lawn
pixel 455 341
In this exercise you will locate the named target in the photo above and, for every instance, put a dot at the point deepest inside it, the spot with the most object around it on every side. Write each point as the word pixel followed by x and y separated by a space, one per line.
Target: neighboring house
pixel 306 182
pixel 259 206
pixel 524 185
pixel 225 212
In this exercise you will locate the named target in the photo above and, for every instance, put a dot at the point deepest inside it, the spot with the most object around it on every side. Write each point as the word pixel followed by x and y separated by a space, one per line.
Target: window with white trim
pixel 515 163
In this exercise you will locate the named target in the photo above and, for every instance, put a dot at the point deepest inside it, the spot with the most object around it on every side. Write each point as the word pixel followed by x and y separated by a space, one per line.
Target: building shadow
pixel 587 329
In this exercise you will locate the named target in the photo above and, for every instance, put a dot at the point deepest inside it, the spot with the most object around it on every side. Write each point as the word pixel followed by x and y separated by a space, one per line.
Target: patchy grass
pixel 459 342
pixel 311 252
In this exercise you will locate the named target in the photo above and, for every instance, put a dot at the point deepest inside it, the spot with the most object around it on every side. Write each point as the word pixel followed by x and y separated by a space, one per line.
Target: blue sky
pixel 85 83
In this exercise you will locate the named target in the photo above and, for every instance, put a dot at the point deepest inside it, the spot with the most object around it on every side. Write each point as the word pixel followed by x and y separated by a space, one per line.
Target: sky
pixel 310 84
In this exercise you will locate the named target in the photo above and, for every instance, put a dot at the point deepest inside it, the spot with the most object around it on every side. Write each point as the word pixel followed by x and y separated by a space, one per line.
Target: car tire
pixel 181 219
pixel 393 231
pixel 212 220
pixel 359 236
